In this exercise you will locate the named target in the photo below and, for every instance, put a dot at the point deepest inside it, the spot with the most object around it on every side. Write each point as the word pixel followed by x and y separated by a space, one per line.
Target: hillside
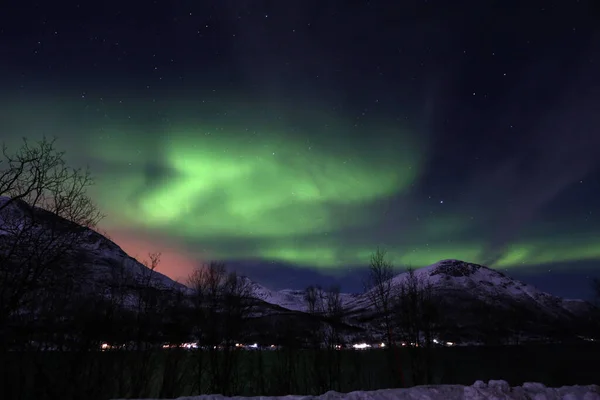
pixel 474 301
pixel 451 279
pixel 102 258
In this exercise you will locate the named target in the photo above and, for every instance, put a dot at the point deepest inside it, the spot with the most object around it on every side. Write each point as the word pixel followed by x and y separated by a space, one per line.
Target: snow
pixel 103 255
pixel 484 283
pixel 290 299
pixel 494 389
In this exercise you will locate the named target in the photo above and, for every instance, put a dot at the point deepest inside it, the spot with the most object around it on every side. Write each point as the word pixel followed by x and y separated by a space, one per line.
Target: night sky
pixel 291 138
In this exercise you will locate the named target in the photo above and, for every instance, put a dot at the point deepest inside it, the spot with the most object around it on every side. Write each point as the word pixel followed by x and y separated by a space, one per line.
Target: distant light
pixel 435 341
pixel 450 343
pixel 382 345
pixel 254 346
pixel 105 346
pixel 361 346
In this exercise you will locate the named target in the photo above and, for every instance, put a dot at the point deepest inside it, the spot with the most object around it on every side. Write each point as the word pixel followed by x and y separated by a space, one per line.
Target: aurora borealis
pixel 282 138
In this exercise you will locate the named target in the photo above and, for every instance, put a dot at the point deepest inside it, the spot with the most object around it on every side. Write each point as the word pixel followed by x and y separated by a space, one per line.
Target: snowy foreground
pixel 479 390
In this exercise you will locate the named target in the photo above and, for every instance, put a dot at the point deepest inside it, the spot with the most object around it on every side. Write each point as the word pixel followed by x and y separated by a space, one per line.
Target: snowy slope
pixel 106 258
pixel 274 297
pixel 289 298
pixel 460 279
pixel 457 282
pixel 479 390
pixel 578 306
pixel 103 258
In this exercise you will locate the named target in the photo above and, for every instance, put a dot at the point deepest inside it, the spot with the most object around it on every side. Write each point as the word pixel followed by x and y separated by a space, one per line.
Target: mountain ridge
pixel 96 251
pixel 456 273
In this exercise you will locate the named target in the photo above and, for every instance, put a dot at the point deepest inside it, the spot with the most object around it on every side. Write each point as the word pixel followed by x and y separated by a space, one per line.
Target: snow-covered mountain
pixel 456 279
pixel 291 299
pixel 494 287
pixel 450 278
pixel 100 257
pixel 106 259
pixel 468 296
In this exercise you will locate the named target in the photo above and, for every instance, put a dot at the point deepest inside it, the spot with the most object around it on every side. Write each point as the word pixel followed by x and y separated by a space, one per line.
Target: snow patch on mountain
pixel 291 299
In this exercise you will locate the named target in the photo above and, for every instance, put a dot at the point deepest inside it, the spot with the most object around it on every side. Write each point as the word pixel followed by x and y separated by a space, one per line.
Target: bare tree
pixel 44 212
pixel 177 329
pixel 146 288
pixel 414 300
pixel 315 303
pixel 313 296
pixel 380 290
pixel 416 316
pixel 147 323
pixel 222 302
pixel 39 175
pixel 325 307
pixel 334 312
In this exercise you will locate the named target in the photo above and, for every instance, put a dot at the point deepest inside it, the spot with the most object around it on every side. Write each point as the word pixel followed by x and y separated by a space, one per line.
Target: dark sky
pixel 291 138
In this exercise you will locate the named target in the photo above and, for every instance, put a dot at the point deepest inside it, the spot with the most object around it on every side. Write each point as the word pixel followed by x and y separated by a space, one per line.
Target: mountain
pixel 291 299
pixel 99 258
pixel 472 300
pixel 450 279
pixel 458 281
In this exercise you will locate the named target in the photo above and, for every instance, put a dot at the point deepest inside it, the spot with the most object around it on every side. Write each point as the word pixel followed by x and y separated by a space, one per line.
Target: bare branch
pixel 44 210
pixel 313 296
pixel 333 300
pixel 39 175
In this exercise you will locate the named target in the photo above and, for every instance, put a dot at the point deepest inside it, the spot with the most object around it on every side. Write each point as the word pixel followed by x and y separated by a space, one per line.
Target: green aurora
pixel 298 189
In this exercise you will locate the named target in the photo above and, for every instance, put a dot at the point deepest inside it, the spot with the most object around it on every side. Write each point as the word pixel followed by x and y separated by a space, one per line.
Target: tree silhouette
pixel 44 212
pixel 221 303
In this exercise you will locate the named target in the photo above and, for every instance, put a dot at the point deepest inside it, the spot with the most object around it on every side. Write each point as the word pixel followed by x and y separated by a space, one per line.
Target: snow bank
pixel 479 390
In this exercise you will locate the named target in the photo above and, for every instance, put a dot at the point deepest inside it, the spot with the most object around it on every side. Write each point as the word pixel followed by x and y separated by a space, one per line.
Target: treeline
pixel 70 331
